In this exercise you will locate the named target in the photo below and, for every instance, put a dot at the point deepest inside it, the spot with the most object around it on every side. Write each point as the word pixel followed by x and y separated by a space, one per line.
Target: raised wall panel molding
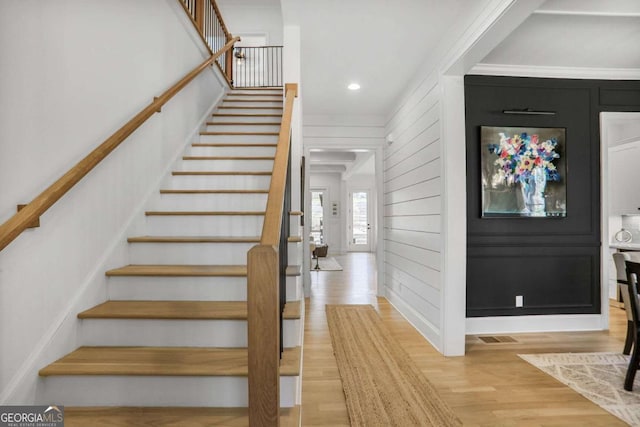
pixel 556 72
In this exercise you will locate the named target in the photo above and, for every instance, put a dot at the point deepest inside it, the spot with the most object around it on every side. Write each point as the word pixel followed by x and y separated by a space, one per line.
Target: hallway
pixel 490 386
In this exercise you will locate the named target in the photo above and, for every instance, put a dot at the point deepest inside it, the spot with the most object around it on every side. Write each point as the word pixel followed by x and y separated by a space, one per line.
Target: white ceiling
pixel 575 33
pixel 347 162
pixel 381 44
pixel 378 43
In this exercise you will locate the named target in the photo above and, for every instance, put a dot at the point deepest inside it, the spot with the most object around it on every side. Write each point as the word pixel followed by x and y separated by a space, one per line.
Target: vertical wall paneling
pixel 412 210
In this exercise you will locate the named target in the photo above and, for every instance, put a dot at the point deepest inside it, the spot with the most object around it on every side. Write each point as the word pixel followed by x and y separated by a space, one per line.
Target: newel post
pixel 263 309
pixel 229 61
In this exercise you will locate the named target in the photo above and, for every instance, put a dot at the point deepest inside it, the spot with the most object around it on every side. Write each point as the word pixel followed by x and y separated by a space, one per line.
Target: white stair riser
pixel 219 182
pixel 274 92
pixel 204 225
pixel 226 165
pixel 240 110
pixel 265 96
pixel 145 288
pixel 295 255
pixel 232 151
pixel 175 333
pixel 196 253
pixel 241 139
pixel 246 118
pixel 213 202
pixel 271 101
pixel 107 390
pixel 243 128
pixel 251 103
pixel 189 253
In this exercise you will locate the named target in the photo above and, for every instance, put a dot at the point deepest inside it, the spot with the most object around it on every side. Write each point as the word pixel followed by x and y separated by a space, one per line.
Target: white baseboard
pixel 522 324
pixel 422 325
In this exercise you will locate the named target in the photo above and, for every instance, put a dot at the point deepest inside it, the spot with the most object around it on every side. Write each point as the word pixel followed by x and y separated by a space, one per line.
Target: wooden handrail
pixel 273 215
pixel 197 19
pixel 31 212
pixel 263 289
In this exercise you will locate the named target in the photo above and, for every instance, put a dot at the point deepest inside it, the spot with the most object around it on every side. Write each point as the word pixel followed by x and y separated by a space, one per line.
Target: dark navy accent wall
pixel 554 263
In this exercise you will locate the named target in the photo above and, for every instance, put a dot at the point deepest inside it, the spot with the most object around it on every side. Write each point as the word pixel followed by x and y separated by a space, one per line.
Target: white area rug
pixel 597 376
pixel 326 264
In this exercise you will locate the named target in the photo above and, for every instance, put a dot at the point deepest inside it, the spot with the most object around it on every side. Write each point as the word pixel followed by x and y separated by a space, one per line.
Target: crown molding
pixel 556 72
pixel 587 13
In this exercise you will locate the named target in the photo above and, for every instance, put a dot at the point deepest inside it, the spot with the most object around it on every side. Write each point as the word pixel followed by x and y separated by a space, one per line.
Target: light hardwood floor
pixel 490 386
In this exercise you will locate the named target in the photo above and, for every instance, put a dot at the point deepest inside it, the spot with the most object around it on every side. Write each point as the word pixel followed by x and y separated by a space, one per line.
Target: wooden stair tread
pixel 266 107
pixel 240 133
pixel 274 98
pixel 163 361
pixel 219 173
pixel 127 416
pixel 169 191
pixel 167 270
pixel 253 94
pixel 194 239
pixel 203 239
pixel 243 124
pixel 246 115
pixel 228 158
pixel 180 270
pixel 179 310
pixel 232 144
pixel 204 213
pixel 273 88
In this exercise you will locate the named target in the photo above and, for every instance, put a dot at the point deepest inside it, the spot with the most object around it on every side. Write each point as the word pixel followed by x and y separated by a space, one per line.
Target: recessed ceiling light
pixel 353 86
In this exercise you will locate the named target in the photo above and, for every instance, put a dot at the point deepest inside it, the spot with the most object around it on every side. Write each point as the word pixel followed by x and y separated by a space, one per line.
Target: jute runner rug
pixel 382 385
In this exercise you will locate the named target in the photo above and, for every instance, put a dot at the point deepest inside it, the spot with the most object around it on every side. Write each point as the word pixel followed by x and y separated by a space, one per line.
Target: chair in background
pixel 619 259
pixel 633 272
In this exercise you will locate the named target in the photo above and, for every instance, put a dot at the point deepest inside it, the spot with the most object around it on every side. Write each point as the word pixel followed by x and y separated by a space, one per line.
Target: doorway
pixel 317 216
pixel 359 221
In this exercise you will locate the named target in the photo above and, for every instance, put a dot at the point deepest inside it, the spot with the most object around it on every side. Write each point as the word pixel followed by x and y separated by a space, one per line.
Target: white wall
pixel 251 19
pixel 72 72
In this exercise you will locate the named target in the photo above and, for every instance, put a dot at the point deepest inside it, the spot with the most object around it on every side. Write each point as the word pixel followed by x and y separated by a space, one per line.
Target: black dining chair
pixel 633 272
pixel 619 258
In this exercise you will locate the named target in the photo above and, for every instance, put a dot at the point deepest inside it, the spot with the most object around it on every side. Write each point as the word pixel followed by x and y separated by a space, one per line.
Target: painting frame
pixel 523 172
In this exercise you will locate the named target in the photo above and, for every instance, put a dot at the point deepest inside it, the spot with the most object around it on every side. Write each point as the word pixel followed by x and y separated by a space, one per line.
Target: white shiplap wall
pixel 412 209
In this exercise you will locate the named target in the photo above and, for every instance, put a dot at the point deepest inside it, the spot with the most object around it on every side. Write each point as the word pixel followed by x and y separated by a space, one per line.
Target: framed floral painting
pixel 523 172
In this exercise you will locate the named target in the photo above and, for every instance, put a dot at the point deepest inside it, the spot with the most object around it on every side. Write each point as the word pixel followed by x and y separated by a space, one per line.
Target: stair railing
pixel 207 19
pixel 257 66
pixel 266 283
pixel 31 213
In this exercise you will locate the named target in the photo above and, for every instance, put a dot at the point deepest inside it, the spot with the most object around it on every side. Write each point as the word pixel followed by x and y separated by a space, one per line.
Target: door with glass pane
pixel 359 221
pixel 317 216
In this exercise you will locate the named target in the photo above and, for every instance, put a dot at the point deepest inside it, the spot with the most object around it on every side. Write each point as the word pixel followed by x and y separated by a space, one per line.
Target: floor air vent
pixel 497 339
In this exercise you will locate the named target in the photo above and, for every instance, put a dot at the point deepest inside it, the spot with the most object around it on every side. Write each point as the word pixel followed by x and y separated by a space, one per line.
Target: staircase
pixel 174 330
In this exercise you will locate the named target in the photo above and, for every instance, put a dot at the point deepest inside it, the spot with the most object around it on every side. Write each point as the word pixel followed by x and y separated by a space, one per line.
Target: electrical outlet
pixel 519 301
